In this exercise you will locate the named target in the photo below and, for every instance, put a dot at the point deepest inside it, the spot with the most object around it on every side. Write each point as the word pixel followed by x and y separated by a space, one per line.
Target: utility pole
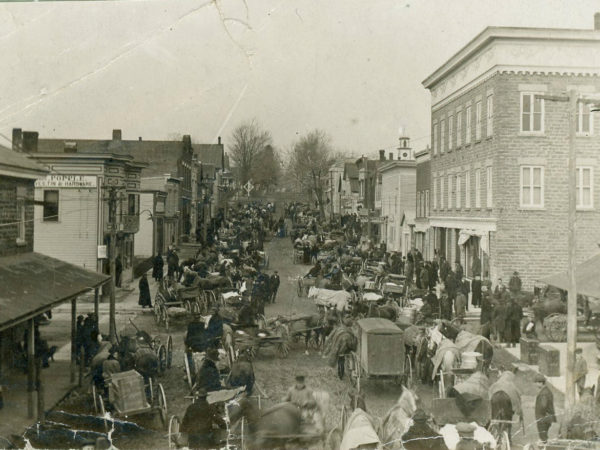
pixel 112 214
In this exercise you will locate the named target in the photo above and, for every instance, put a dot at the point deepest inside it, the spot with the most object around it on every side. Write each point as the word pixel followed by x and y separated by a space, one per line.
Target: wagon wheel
pixel 212 298
pixel 555 327
pixel 161 354
pixel 162 405
pixel 230 354
pixel 188 371
pixel 352 369
pixel 283 347
pixel 157 308
pixel 503 443
pixel 165 315
pixel 408 371
pixel 169 351
pixel 187 305
pixel 150 391
pixel 102 411
pixel 174 424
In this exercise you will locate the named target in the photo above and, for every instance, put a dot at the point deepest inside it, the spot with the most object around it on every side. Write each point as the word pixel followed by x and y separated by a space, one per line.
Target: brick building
pixel 422 235
pixel 499 153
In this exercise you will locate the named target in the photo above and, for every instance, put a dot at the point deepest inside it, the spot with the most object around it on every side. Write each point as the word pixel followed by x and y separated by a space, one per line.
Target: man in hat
pixel 581 370
pixel 303 397
pixel 208 377
pixel 514 314
pixel 515 284
pixel 467 438
pixel 275 282
pixel 214 328
pixel 544 407
pixel 199 423
pixel 421 436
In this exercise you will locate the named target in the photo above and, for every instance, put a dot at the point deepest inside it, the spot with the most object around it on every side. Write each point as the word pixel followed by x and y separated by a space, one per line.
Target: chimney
pixel 30 141
pixel 597 21
pixel 381 155
pixel 391 156
pixel 140 139
pixel 219 140
pixel 222 155
pixel 116 135
pixel 17 139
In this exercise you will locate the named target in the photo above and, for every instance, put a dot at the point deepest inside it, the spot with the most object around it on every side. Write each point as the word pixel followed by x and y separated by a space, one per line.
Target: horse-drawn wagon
pixel 380 352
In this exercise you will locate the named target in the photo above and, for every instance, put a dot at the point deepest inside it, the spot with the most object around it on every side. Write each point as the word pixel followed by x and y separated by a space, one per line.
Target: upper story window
pixel 21 214
pixel 435 193
pixel 489 191
pixel 532 113
pixel 478 120
pixel 442 135
pixel 450 132
pixel 585 187
pixel 131 204
pixel 478 188
pixel 532 187
pixel 50 206
pixel 435 143
pixel 449 191
pixel 490 115
pixel 585 120
pixel 468 125
pixel 427 203
pixel 458 128
pixel 467 189
pixel 458 192
pixel 442 191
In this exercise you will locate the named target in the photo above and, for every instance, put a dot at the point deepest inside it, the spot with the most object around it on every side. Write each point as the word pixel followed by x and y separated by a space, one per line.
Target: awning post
pixel 97 308
pixel 31 369
pixel 73 338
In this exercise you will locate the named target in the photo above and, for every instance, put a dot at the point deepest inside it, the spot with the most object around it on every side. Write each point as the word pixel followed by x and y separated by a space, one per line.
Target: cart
pixel 164 352
pixel 266 335
pixel 172 303
pixel 297 256
pixel 380 353
pixel 304 284
pixel 128 396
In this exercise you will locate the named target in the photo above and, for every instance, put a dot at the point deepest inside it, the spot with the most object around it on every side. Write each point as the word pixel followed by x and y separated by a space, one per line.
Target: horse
pixel 444 355
pixel 398 419
pixel 502 410
pixel 242 373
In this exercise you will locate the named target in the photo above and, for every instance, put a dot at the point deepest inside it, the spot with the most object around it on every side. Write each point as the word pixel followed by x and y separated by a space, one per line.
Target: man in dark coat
pixel 421 436
pixel 499 320
pixel 425 277
pixel 118 271
pixel 445 306
pixel 214 329
pixel 444 268
pixel 514 314
pixel 476 290
pixel 544 408
pixel 157 267
pixel 515 284
pixel 145 298
pixel 487 309
pixel 467 439
pixel 199 423
pixel 275 282
pixel 208 377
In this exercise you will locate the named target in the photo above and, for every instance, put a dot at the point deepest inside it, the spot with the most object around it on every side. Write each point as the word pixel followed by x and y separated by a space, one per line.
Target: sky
pixel 160 69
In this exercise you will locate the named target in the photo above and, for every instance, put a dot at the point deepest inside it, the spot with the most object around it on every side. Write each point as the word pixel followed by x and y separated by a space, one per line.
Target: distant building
pixel 72 215
pixel 334 188
pixel 396 197
pixel 350 188
pixel 166 220
pixel 151 236
pixel 423 238
pixel 499 151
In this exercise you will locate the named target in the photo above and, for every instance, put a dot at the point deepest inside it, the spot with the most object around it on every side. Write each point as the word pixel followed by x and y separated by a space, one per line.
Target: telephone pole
pixel 112 215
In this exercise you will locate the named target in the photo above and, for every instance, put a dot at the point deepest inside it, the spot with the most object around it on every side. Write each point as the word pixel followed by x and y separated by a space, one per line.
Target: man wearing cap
pixel 275 282
pixel 467 439
pixel 421 436
pixel 208 377
pixel 199 423
pixel 581 371
pixel 303 398
pixel 544 408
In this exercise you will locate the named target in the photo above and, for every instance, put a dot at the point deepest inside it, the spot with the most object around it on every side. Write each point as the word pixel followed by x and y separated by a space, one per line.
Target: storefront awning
pixel 587 277
pixel 33 283
pixel 484 243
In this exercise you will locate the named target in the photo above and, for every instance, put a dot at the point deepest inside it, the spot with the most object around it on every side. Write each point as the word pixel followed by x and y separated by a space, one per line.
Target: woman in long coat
pixel 157 267
pixel 145 298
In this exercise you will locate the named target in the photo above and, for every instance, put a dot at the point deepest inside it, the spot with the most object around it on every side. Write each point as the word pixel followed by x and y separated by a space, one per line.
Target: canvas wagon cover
pixel 359 431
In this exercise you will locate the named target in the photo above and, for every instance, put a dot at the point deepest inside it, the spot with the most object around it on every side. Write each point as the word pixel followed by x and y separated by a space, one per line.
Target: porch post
pixel 97 307
pixel 73 338
pixel 30 369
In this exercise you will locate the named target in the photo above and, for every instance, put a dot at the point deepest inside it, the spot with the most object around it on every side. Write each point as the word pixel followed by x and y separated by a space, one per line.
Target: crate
pixel 529 350
pixel 549 361
pixel 126 392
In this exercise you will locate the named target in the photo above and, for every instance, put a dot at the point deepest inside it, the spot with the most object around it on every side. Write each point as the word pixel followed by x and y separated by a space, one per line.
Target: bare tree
pixel 309 163
pixel 248 141
pixel 267 170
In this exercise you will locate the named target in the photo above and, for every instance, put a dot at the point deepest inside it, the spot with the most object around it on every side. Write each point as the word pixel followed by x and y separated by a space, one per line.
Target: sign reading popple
pixel 67 181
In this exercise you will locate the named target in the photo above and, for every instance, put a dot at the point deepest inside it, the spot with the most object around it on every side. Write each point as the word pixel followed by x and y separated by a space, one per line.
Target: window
pixel 442 184
pixel 585 120
pixel 50 206
pixel 468 125
pixel 490 115
pixel 477 188
pixel 21 220
pixel 418 204
pixel 467 189
pixel 532 113
pixel 131 205
pixel 450 131
pixel 435 137
pixel 427 203
pixel 489 187
pixel 458 129
pixel 458 192
pixel 478 121
pixel 442 134
pixel 435 193
pixel 449 191
pixel 584 185
pixel 532 187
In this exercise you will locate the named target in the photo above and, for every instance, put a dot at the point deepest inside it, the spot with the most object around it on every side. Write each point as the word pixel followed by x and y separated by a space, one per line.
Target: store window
pixel 50 206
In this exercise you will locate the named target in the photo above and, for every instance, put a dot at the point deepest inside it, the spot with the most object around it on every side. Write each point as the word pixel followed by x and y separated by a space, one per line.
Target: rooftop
pixel 17 163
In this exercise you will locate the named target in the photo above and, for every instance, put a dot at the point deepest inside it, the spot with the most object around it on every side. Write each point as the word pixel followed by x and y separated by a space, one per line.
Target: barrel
pixel 408 315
